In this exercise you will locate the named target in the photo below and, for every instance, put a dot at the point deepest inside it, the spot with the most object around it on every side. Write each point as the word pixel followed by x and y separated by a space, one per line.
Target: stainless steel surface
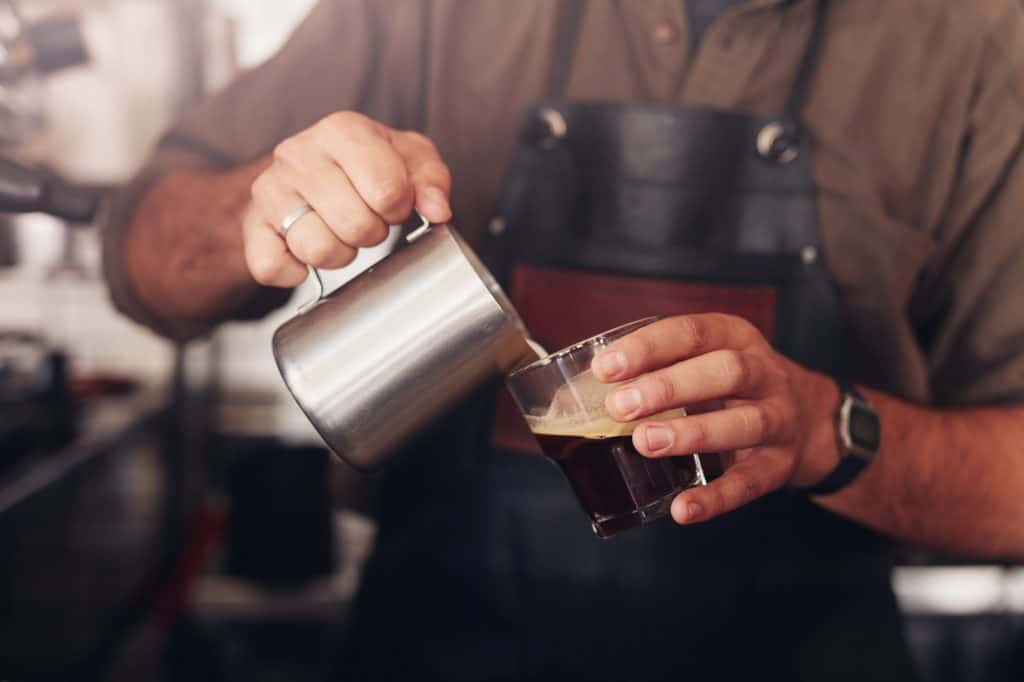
pixel 391 351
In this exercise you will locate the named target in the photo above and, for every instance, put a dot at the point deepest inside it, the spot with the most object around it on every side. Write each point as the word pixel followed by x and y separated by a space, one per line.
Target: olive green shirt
pixel 916 113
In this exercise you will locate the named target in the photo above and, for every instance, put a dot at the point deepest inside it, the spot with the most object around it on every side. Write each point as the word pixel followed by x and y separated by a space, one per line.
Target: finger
pixel 314 243
pixel 745 482
pixel 362 148
pixel 716 375
pixel 326 188
pixel 671 340
pixel 736 428
pixel 309 239
pixel 267 256
pixel 429 175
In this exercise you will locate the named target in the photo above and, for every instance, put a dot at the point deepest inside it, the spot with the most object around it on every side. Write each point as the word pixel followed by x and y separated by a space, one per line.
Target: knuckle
pixel 363 233
pixel 316 252
pixel 265 269
pixel 663 390
pixel 783 380
pixel 757 422
pixel 734 369
pixel 288 150
pixel 338 128
pixel 717 501
pixel 783 421
pixel 750 488
pixel 744 329
pixel 342 121
pixel 694 334
pixel 697 436
pixel 438 173
pixel 735 321
pixel 643 347
pixel 390 197
pixel 418 139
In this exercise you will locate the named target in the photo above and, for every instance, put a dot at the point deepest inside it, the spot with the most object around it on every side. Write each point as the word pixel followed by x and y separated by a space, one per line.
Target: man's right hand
pixel 359 176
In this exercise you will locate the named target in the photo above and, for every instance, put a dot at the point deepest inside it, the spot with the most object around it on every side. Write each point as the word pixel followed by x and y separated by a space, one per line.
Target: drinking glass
pixel 563 403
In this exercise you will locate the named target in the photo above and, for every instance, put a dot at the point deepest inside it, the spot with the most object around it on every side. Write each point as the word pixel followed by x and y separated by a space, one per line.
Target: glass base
pixel 607 526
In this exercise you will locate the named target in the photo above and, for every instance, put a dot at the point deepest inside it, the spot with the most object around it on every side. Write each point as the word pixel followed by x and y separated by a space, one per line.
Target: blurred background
pixel 150 526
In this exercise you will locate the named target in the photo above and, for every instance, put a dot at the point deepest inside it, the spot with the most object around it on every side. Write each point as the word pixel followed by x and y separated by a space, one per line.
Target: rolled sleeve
pixel 324 67
pixel 970 313
pixel 978 350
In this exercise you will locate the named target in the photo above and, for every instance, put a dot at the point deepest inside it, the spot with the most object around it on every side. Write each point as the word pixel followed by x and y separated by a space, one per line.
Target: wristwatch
pixel 859 435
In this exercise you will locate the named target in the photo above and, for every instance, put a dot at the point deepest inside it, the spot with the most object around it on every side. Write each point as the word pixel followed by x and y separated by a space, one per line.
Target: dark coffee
pixel 618 487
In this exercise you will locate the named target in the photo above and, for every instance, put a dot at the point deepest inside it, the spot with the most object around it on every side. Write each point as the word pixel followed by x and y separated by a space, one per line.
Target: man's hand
pixel 359 176
pixel 771 419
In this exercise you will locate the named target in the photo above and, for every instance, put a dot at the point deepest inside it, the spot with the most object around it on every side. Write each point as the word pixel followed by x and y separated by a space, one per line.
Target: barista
pixel 859 160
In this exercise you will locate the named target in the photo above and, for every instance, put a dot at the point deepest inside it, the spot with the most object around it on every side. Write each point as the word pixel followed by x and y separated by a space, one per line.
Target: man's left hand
pixel 773 420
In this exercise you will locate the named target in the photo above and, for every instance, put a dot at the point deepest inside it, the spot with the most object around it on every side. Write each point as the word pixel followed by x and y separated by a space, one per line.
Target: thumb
pixel 428 174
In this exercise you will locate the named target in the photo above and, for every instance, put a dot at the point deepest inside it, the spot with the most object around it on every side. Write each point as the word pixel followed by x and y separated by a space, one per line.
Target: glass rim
pixel 613 334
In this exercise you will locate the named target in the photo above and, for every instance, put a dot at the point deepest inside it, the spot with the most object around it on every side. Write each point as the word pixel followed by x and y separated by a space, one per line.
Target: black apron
pixel 486 567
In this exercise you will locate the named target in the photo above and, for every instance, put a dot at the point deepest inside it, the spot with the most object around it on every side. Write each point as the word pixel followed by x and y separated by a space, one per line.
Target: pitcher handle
pixel 414 233
pixel 421 227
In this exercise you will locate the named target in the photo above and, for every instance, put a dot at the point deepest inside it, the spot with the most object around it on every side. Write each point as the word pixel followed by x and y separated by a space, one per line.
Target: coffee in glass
pixel 564 406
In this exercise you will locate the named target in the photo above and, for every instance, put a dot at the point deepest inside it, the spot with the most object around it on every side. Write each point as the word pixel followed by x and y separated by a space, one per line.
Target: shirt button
pixel 664 33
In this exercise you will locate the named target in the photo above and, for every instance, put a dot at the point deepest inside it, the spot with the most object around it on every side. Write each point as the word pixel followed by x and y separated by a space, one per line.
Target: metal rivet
pixel 772 145
pixel 556 124
pixel 497 225
pixel 809 254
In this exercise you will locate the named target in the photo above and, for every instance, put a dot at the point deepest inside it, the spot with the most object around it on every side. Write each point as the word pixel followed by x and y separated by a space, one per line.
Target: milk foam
pixel 604 427
pixel 577 410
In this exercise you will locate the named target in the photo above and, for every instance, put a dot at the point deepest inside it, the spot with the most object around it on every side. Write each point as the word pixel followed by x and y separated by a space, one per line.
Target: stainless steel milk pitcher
pixel 383 356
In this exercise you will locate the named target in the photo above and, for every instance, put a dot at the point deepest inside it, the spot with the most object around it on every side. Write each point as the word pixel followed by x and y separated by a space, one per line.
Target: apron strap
pixel 780 140
pixel 798 94
pixel 570 21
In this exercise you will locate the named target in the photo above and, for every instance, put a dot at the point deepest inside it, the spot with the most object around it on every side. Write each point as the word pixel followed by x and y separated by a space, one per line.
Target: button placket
pixel 668 50
pixel 656 54
pixel 723 67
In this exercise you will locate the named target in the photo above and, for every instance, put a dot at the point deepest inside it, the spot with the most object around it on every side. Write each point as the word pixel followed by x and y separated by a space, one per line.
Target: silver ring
pixel 294 217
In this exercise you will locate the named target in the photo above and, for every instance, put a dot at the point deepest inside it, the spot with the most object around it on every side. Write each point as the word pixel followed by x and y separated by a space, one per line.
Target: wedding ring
pixel 293 217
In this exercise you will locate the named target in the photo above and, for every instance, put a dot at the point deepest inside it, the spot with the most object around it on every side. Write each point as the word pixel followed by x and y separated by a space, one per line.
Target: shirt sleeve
pixel 324 67
pixel 968 311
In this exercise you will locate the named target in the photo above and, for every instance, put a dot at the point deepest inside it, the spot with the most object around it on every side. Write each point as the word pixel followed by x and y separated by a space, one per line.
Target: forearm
pixel 947 479
pixel 183 250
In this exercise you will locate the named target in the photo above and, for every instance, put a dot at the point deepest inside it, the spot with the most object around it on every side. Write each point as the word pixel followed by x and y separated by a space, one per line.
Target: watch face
pixel 865 430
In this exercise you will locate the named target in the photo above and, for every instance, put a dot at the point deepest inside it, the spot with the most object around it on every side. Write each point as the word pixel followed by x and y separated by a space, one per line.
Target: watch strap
pixel 850 466
pixel 849 469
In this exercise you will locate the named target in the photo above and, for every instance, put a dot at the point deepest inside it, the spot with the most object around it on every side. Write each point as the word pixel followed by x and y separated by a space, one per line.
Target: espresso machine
pixel 36 408
pixel 30 51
